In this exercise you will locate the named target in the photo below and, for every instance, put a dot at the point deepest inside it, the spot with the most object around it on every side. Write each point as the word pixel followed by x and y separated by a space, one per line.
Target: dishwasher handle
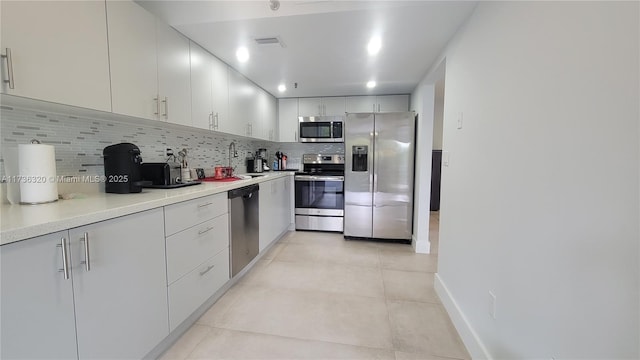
pixel 244 192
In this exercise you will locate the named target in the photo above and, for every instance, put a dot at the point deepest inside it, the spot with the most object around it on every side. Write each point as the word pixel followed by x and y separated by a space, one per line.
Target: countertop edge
pixel 153 198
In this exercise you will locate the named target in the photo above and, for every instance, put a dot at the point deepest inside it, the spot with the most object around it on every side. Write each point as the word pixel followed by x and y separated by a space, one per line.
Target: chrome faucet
pixel 232 145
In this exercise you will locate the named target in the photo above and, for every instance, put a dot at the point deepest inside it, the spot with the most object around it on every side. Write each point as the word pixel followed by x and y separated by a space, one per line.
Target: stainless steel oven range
pixel 320 193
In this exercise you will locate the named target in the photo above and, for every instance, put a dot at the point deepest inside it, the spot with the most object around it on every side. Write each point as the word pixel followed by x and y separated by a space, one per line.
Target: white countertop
pixel 19 222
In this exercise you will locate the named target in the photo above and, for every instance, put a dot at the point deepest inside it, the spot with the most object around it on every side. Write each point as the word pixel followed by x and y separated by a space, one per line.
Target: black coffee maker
pixel 122 168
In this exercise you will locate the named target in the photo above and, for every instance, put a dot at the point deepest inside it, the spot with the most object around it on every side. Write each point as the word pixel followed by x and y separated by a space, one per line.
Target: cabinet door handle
pixel 157 100
pixel 207 270
pixel 210 121
pixel 9 68
pixel 215 122
pixel 166 107
pixel 203 205
pixel 65 258
pixel 87 261
pixel 205 230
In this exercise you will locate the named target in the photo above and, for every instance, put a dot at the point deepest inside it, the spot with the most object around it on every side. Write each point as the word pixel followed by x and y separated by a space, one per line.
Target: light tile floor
pixel 318 296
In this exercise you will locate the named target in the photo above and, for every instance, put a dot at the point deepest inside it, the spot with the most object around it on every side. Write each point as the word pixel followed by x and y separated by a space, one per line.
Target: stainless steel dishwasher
pixel 244 226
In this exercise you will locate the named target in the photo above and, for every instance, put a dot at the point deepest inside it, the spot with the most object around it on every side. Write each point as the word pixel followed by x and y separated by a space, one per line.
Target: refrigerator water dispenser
pixel 359 156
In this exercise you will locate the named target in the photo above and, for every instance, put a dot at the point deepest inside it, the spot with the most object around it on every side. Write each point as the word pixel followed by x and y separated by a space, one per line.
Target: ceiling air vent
pixel 271 40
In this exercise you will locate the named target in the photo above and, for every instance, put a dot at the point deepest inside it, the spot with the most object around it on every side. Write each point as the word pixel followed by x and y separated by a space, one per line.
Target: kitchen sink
pixel 255 175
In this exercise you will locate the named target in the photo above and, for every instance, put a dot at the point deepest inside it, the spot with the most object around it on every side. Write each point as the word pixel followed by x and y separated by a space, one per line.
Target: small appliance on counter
pixel 262 154
pixel 255 165
pixel 161 173
pixel 123 169
pixel 280 162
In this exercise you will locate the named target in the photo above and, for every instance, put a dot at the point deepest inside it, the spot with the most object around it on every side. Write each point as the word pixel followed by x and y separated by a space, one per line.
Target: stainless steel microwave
pixel 321 129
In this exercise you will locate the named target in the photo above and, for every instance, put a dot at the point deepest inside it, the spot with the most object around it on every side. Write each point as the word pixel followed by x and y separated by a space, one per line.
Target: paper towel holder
pixel 46 180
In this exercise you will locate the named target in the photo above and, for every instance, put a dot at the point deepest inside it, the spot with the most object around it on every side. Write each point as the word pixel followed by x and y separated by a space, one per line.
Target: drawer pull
pixel 207 270
pixel 203 205
pixel 205 230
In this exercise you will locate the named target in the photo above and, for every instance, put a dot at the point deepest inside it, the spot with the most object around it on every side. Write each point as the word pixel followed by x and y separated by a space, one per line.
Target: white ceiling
pixel 326 41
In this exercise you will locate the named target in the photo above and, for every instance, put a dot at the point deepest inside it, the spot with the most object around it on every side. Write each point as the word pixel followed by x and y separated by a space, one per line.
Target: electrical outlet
pixel 492 305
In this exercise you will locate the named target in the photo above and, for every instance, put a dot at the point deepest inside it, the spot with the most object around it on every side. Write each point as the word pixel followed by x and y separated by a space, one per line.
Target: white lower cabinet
pixel 120 286
pixel 274 210
pixel 191 291
pixel 194 245
pixel 183 215
pixel 37 300
pixel 197 253
pixel 116 285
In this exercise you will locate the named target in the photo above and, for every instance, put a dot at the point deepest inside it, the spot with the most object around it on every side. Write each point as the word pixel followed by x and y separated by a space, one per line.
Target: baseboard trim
pixel 469 337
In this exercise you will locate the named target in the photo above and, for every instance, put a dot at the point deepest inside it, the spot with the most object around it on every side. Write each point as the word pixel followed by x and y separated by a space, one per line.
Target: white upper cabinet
pixel 288 120
pixel 209 90
pixel 241 105
pixel 382 103
pixel 268 119
pixel 150 70
pixel 134 60
pixel 310 106
pixel 201 89
pixel 252 111
pixel 333 106
pixel 355 104
pixel 325 106
pixel 57 52
pixel 220 93
pixel 388 103
pixel 174 73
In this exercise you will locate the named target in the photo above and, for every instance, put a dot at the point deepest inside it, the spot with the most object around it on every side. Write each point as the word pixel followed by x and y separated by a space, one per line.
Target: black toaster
pixel 161 174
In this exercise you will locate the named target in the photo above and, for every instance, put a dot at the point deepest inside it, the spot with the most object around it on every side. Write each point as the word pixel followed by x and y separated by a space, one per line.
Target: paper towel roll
pixel 37 169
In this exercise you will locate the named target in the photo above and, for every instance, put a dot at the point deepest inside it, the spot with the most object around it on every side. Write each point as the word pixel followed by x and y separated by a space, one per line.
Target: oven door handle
pixel 318 178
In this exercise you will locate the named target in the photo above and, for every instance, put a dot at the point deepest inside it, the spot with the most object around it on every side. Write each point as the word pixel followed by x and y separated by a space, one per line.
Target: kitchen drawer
pixel 188 293
pixel 180 216
pixel 188 248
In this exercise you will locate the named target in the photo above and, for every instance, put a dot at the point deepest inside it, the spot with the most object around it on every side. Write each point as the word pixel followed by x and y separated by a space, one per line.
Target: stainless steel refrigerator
pixel 379 170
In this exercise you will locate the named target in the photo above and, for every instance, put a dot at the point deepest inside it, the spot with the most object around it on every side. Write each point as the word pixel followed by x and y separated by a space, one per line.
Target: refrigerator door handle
pixel 374 172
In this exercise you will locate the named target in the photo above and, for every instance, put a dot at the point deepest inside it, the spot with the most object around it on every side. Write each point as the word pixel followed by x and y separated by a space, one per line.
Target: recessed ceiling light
pixel 242 54
pixel 371 84
pixel 282 88
pixel 374 45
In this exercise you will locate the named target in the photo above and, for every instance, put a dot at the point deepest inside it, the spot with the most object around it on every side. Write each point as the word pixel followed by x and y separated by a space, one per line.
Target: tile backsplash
pixel 79 140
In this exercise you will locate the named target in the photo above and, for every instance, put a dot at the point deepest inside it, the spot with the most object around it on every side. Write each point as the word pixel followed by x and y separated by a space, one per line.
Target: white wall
pixel 438 114
pixel 540 203
pixel 422 102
